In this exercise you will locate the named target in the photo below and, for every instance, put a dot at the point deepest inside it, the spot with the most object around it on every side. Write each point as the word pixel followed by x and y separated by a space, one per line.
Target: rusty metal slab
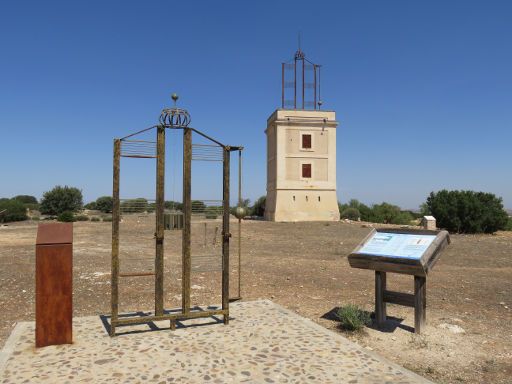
pixel 54 233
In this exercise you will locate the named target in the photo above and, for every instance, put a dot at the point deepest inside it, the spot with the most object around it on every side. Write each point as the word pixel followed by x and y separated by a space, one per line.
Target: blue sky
pixel 422 90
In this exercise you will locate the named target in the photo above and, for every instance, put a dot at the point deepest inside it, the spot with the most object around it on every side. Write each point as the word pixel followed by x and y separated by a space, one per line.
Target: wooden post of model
pixel 54 284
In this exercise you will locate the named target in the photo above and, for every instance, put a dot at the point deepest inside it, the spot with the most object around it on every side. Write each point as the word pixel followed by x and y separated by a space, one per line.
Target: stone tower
pixel 301 150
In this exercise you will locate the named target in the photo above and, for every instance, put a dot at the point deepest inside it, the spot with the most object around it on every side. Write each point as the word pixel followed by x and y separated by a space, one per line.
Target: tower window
pixel 318 198
pixel 306 141
pixel 306 171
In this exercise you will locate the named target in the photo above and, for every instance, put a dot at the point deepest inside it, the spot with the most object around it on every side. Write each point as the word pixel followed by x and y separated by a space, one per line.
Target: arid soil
pixel 302 266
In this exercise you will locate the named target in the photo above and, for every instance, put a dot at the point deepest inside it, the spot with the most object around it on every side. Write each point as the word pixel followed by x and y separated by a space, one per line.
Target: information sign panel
pixel 408 251
pixel 406 245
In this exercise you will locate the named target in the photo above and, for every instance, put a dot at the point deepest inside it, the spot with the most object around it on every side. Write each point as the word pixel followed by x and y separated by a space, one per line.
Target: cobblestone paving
pixel 264 343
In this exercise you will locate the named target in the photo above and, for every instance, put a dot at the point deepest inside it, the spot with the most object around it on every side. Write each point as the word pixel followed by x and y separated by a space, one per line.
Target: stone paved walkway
pixel 264 343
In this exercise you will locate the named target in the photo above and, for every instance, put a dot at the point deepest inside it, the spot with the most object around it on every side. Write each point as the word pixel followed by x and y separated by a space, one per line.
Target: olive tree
pixel 61 199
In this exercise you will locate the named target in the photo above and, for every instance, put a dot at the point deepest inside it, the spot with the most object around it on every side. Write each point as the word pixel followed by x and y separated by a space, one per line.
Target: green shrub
pixel 66 216
pixel 81 218
pixel 91 205
pixel 212 212
pixel 352 318
pixel 94 218
pixel 198 206
pixel 258 209
pixel 467 211
pixel 404 218
pixel 389 214
pixel 134 205
pixel 365 212
pixel 174 205
pixel 350 213
pixel 414 215
pixel 61 199
pixel 104 204
pixel 12 210
pixel 26 199
pixel 35 218
pixel 32 207
pixel 508 226
pixel 107 218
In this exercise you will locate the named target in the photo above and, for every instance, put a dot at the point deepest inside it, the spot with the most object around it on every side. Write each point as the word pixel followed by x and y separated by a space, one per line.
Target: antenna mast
pixel 303 75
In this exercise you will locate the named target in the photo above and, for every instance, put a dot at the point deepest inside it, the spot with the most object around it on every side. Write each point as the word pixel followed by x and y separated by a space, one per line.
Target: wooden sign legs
pixel 418 300
pixel 380 304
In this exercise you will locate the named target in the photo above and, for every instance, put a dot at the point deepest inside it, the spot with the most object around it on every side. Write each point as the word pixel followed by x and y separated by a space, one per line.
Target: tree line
pixel 456 211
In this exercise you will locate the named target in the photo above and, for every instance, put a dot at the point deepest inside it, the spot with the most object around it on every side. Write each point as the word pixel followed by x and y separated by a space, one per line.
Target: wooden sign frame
pixel 404 265
pixel 410 266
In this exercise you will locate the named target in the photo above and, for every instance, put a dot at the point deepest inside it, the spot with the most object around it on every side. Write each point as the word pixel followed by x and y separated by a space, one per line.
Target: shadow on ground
pixel 151 326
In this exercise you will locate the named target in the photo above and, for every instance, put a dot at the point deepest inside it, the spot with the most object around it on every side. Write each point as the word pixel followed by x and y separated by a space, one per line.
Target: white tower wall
pixel 301 166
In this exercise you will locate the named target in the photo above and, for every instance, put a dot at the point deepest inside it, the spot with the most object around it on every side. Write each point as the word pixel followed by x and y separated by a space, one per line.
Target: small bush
pixel 66 217
pixel 365 212
pixel 26 199
pixel 173 205
pixel 32 207
pixel 258 209
pixel 390 214
pixel 198 206
pixel 508 227
pixel 137 205
pixel 352 318
pixel 467 211
pixel 36 218
pixel 81 218
pixel 95 218
pixel 12 210
pixel 351 214
pixel 91 206
pixel 107 218
pixel 378 213
pixel 404 218
pixel 61 199
pixel 212 212
pixel 104 204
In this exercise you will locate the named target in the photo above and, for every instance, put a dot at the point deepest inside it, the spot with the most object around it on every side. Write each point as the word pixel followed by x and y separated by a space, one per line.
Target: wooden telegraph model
pixel 132 147
pixel 411 252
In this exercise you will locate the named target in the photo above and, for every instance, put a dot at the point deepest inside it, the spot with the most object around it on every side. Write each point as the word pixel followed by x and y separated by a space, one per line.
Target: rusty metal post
pixel 187 217
pixel 303 85
pixel 239 224
pixel 114 276
pixel 159 214
pixel 54 284
pixel 295 84
pixel 314 70
pixel 225 235
pixel 319 89
pixel 282 85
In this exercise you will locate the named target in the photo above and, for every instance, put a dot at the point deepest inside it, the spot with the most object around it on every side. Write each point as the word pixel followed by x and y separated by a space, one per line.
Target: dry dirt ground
pixel 302 266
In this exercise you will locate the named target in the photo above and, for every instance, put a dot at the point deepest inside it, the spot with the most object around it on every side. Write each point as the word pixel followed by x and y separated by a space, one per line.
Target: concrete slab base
pixel 263 343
